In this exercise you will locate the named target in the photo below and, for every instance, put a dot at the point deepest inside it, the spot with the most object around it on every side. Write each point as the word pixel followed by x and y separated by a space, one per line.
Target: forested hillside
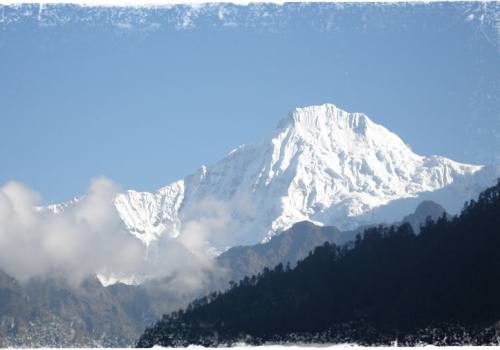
pixel 440 287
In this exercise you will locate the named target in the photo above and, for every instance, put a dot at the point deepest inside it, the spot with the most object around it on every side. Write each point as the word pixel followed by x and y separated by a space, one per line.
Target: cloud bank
pixel 88 238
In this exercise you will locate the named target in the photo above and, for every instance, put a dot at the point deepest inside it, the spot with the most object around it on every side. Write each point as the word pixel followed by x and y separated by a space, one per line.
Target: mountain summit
pixel 323 165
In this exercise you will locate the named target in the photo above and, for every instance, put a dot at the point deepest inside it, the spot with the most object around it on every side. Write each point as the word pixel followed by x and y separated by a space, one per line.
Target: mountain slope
pixel 435 287
pixel 322 165
pixel 287 247
pixel 295 243
pixel 50 313
pixel 426 209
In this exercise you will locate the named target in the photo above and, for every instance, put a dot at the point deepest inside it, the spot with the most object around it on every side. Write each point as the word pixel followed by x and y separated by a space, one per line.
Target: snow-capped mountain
pixel 323 164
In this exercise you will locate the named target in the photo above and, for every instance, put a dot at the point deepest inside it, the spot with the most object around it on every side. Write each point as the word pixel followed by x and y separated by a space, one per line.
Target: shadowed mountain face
pixel 50 313
pixel 15 313
pixel 426 209
pixel 288 247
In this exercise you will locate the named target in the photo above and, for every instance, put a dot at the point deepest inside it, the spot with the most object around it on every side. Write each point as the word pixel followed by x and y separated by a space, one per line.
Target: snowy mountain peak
pixel 329 126
pixel 330 116
pixel 323 164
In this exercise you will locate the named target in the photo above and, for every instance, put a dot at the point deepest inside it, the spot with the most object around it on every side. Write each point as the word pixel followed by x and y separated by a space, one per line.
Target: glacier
pixel 322 164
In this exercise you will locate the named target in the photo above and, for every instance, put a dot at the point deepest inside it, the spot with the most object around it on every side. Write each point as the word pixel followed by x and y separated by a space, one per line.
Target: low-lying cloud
pixel 83 240
pixel 88 238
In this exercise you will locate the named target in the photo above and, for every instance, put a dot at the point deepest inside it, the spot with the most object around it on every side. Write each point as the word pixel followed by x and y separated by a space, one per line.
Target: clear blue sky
pixel 146 96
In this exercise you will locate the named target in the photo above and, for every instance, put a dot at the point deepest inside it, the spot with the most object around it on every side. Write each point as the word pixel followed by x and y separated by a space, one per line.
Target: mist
pixel 87 238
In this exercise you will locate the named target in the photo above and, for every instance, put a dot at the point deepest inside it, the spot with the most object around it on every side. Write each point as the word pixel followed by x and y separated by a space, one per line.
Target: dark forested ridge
pixel 441 286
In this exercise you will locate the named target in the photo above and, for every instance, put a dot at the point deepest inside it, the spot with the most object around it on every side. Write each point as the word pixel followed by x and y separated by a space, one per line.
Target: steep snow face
pixel 149 215
pixel 324 165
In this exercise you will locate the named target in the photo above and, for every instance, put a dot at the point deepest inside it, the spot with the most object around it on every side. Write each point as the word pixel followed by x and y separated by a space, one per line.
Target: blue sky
pixel 146 96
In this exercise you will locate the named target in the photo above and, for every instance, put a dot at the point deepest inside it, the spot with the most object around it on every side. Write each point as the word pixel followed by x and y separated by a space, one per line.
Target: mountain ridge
pixel 322 165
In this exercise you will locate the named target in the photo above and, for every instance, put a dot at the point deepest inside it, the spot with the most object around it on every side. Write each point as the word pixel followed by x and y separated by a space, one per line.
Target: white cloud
pixel 88 238
pixel 84 240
